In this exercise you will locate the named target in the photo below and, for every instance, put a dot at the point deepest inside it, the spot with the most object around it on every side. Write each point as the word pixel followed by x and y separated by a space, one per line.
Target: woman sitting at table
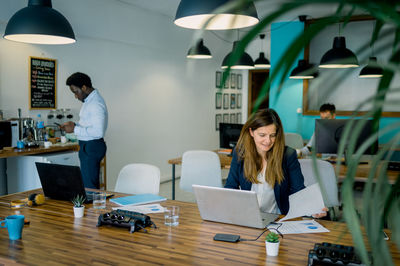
pixel 262 163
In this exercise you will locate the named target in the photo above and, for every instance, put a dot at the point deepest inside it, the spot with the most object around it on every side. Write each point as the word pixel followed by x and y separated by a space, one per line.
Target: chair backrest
pixel 200 168
pixel 294 140
pixel 138 178
pixel 328 179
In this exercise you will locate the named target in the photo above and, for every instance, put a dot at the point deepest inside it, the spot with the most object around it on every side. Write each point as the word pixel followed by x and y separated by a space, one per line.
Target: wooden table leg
pixel 173 181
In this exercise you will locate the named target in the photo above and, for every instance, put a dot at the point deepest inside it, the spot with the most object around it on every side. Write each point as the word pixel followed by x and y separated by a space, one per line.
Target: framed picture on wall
pixel 233 118
pixel 226 118
pixel 226 100
pixel 218 119
pixel 218 81
pixel 239 118
pixel 226 84
pixel 239 81
pixel 239 100
pixel 218 100
pixel 233 101
pixel 233 80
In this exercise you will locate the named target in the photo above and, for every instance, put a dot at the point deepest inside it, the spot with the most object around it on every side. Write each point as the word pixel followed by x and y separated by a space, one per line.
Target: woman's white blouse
pixel 265 195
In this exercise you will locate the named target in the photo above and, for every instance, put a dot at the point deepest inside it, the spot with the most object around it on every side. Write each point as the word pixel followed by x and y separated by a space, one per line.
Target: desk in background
pixel 361 174
pixel 55 237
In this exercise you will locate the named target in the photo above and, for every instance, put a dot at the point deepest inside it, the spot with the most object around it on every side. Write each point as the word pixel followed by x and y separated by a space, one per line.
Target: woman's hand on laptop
pixel 322 214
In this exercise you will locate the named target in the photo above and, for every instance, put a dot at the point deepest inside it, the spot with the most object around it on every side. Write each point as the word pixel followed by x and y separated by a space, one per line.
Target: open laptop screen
pixel 232 206
pixel 61 182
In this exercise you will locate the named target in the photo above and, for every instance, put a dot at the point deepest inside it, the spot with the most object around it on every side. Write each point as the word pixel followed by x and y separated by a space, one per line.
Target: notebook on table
pixel 62 182
pixel 231 206
pixel 138 199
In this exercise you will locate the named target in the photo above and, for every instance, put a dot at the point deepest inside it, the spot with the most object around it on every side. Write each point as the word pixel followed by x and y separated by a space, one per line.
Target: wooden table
pixel 224 159
pixel 54 237
pixel 361 174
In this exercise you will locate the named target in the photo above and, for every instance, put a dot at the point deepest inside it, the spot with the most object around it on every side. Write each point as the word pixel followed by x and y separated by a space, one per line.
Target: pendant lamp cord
pixel 262 36
pixel 372 44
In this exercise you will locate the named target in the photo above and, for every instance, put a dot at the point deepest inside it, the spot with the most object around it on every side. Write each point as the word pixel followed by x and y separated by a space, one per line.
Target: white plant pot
pixel 79 211
pixel 272 249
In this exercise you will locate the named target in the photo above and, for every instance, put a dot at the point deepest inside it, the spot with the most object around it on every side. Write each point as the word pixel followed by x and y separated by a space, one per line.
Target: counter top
pixel 72 146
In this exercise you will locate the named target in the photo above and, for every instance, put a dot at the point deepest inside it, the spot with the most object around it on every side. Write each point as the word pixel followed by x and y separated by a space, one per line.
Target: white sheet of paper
pixel 307 201
pixel 298 227
pixel 145 209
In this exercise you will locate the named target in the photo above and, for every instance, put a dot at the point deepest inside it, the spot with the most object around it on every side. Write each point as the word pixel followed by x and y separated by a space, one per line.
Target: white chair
pixel 200 168
pixel 138 178
pixel 328 179
pixel 294 140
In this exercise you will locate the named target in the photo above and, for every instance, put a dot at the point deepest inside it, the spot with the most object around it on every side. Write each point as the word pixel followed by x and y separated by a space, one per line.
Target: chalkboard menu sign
pixel 42 76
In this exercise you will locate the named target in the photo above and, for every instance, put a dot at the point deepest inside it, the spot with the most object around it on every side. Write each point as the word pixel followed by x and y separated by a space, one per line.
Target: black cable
pixel 243 239
pixel 276 229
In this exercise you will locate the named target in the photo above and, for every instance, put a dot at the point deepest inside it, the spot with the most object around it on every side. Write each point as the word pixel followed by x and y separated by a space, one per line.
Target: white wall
pixel 159 103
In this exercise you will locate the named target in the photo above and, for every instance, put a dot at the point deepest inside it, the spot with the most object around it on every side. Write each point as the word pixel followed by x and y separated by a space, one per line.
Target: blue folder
pixel 137 199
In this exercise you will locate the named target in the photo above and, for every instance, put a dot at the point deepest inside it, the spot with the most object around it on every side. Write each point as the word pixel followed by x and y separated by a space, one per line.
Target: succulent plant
pixel 272 237
pixel 78 200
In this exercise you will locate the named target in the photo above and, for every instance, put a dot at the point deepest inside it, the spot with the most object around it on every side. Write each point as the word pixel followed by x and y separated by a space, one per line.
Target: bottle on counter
pixel 40 128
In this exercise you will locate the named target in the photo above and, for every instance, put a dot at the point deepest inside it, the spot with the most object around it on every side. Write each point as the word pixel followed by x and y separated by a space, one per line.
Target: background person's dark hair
pixel 327 107
pixel 79 79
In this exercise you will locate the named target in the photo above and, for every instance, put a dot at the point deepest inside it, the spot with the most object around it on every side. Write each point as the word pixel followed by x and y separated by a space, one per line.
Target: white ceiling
pixel 264 7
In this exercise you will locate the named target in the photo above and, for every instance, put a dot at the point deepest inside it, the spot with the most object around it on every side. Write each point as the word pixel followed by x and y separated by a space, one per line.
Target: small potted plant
pixel 272 244
pixel 79 208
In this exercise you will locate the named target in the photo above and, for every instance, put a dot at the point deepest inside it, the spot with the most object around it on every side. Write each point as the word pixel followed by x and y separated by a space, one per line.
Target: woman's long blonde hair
pixel 247 151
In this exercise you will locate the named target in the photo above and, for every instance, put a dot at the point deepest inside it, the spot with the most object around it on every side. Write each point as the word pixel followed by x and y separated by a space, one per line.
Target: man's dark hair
pixel 327 107
pixel 79 79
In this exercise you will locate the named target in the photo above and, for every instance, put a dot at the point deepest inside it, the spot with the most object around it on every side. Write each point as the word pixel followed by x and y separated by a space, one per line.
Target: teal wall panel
pixel 290 98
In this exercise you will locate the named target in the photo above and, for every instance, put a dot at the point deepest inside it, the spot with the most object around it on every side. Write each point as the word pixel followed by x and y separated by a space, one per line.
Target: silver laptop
pixel 231 206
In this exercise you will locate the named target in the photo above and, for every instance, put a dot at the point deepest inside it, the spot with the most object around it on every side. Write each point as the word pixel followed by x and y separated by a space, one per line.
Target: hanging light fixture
pixel 199 51
pixel 245 61
pixel 39 23
pixel 261 61
pixel 372 69
pixel 339 56
pixel 304 70
pixel 195 14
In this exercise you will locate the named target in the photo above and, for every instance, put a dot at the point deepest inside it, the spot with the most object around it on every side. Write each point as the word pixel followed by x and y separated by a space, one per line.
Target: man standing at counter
pixel 93 120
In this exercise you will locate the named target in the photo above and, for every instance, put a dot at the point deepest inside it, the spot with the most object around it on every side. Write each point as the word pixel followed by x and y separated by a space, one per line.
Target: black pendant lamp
pixel 194 14
pixel 39 23
pixel 199 51
pixel 371 70
pixel 262 61
pixel 304 70
pixel 245 61
pixel 339 56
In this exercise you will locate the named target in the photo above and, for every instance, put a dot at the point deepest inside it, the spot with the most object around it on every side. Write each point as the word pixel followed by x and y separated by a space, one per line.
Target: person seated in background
pixel 262 163
pixel 326 111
